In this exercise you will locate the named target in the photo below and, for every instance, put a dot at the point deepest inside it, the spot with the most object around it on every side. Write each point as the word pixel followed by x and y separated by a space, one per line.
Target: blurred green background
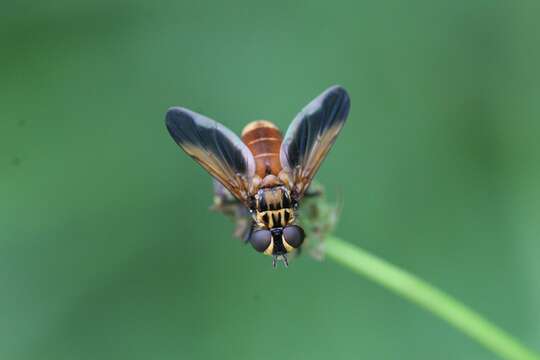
pixel 108 251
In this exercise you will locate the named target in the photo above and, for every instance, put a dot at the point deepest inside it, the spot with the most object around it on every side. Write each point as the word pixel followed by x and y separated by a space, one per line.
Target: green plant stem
pixel 428 297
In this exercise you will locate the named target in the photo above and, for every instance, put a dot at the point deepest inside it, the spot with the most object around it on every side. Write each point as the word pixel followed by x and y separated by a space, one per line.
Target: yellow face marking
pixel 270 248
pixel 291 215
pixel 272 218
pixel 288 247
pixel 275 217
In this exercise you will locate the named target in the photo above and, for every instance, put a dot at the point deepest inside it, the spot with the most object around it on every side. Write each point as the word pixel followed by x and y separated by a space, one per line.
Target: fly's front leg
pixel 228 205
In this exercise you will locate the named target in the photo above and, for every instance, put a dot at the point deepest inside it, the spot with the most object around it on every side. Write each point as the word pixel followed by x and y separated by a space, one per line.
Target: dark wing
pixel 215 147
pixel 311 135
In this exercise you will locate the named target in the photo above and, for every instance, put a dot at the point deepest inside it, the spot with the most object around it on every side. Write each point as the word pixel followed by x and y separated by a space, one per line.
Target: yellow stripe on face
pixel 282 217
pixel 276 218
pixel 270 219
pixel 288 247
pixel 291 215
pixel 270 248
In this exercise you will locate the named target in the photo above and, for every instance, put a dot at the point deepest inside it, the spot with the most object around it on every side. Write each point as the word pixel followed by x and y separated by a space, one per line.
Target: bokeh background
pixel 107 247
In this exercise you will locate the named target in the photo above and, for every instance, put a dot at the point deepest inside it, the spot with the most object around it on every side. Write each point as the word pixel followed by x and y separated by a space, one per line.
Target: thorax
pixel 273 207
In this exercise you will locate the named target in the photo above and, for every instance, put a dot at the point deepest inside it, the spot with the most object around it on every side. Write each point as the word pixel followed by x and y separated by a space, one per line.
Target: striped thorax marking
pixel 274 207
pixel 275 218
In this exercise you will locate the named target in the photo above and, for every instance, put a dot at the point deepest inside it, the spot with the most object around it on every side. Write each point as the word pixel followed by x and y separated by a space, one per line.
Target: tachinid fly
pixel 265 172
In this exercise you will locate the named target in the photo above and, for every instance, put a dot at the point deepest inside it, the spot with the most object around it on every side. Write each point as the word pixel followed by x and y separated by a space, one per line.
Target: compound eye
pixel 294 235
pixel 260 240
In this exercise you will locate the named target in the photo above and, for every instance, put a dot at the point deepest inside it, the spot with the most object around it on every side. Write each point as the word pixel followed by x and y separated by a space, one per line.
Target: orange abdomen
pixel 263 138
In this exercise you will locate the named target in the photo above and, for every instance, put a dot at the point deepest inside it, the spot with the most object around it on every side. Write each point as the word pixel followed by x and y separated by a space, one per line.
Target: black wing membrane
pixel 311 135
pixel 215 147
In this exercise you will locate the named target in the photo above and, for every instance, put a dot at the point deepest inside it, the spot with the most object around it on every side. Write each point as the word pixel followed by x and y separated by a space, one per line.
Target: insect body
pixel 266 172
pixel 263 139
